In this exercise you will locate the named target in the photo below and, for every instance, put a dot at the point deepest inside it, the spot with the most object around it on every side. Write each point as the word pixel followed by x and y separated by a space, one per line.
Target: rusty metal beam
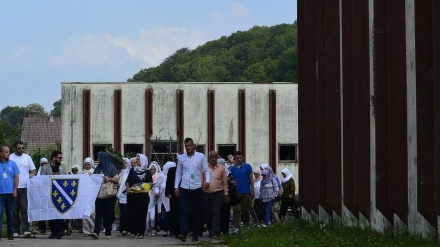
pixel 211 120
pixel 86 123
pixel 397 98
pixel 333 106
pixel 117 119
pixel 242 121
pixel 180 120
pixel 361 106
pixel 148 121
pixel 381 108
pixel 273 130
pixel 436 82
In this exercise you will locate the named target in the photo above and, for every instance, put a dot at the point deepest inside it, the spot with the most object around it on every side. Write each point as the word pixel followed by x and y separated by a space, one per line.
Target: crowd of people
pixel 186 197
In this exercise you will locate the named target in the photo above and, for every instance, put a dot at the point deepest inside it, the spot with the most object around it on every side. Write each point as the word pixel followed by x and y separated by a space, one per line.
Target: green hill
pixel 261 54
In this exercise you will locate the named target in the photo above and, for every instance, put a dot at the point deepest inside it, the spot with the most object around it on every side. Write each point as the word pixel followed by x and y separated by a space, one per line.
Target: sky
pixel 46 42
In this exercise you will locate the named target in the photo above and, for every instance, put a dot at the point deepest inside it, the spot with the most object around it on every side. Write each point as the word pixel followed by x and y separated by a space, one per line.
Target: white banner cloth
pixel 62 196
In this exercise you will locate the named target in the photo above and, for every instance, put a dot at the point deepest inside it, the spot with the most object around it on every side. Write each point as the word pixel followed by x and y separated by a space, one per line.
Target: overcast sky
pixel 46 42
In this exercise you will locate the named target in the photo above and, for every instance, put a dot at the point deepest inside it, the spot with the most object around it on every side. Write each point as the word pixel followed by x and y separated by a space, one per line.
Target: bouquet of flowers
pixel 141 188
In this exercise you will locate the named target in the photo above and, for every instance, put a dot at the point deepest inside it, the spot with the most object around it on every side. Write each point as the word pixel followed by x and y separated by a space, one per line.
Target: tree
pixel 260 54
pixel 35 110
pixel 56 112
pixel 13 115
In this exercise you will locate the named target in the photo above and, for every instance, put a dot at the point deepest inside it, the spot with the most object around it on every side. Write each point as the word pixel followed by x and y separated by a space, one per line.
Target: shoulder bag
pixel 107 190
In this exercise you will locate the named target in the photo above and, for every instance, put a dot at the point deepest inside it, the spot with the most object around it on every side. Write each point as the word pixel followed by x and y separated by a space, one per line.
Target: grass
pixel 307 233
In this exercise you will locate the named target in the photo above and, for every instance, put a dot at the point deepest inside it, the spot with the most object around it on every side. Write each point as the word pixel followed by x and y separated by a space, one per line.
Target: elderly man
pixel 215 195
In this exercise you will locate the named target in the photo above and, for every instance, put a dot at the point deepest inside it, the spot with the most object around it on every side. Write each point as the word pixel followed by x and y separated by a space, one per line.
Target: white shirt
pixel 25 165
pixel 189 171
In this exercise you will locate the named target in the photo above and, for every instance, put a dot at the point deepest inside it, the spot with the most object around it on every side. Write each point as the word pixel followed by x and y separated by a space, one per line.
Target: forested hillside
pixel 261 54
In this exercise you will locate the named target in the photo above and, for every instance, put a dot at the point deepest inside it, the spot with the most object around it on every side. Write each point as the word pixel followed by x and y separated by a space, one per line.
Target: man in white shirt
pixel 27 170
pixel 188 186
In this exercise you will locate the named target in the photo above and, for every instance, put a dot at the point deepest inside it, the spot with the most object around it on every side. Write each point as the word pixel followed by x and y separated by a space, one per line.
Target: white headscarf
pixel 77 168
pixel 90 161
pixel 41 161
pixel 157 166
pixel 144 161
pixel 288 175
pixel 264 166
pixel 127 163
pixel 164 174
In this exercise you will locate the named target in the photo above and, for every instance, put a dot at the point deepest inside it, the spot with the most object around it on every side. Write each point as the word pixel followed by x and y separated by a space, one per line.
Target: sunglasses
pixel 74 170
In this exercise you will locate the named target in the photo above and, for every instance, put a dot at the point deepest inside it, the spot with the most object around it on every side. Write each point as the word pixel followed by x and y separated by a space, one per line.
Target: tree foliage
pixel 11 120
pixel 261 54
pixel 56 112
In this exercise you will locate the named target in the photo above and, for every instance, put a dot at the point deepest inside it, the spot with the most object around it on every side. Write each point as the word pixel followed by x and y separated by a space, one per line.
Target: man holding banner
pixel 60 196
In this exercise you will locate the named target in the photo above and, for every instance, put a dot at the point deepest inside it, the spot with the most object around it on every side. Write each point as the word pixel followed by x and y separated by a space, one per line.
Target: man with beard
pixel 55 168
pixel 27 171
pixel 188 187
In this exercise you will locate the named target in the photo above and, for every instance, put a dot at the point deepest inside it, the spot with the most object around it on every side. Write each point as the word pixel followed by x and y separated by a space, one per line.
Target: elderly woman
pixel 138 202
pixel 105 207
pixel 268 191
pixel 288 197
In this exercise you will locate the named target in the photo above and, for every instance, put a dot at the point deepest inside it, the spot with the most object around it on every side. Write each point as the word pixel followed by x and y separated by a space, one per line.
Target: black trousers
pixel 105 210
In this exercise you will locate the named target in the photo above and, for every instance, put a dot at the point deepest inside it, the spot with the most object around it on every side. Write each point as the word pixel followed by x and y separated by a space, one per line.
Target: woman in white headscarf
pixel 288 197
pixel 88 166
pixel 154 195
pixel 43 162
pixel 138 202
pixel 268 192
pixel 88 223
pixel 122 198
pixel 163 202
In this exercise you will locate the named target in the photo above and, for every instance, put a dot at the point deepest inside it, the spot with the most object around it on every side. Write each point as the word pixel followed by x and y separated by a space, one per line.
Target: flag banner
pixel 62 196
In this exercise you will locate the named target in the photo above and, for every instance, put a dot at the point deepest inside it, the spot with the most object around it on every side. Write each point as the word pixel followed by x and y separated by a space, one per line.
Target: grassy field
pixel 305 233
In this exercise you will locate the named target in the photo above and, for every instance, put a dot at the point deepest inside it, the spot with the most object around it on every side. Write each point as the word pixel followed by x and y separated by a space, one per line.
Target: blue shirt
pixel 241 176
pixel 189 171
pixel 7 174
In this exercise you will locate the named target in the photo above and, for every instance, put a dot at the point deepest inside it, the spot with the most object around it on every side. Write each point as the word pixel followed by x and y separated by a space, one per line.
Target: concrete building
pixel 154 118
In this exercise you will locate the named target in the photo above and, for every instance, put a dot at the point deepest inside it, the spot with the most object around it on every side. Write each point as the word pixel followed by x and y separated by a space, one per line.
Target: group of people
pixel 183 198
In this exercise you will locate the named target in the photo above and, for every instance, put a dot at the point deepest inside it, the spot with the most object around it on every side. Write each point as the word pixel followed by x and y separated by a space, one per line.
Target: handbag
pixel 234 196
pixel 107 190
